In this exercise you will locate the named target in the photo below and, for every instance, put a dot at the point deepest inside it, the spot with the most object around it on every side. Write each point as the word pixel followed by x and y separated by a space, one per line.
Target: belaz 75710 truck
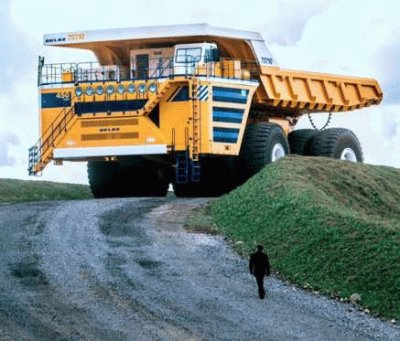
pixel 201 107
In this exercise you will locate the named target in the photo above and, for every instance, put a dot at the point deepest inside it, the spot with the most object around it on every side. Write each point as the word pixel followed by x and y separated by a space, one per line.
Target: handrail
pixel 39 150
pixel 157 68
pixel 54 131
pixel 63 111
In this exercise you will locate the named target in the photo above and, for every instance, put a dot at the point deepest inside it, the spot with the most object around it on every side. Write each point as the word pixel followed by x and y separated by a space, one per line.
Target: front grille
pixel 108 106
pixel 109 136
pixel 109 123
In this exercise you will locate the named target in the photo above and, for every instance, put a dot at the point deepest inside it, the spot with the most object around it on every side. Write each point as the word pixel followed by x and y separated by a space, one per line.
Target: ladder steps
pixel 37 160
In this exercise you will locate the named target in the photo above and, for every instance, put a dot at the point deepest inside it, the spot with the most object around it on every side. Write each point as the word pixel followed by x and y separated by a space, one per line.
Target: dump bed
pixel 301 90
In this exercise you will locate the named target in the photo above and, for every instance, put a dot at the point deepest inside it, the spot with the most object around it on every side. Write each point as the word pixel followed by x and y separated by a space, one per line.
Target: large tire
pixel 262 144
pixel 217 178
pixel 143 181
pixel 337 143
pixel 189 190
pixel 103 178
pixel 300 141
pixel 134 178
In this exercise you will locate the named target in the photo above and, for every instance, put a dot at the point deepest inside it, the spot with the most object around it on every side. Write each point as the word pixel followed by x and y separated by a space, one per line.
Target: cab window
pixel 188 55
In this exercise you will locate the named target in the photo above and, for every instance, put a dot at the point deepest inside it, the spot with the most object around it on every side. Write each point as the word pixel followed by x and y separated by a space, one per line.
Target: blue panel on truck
pixel 55 100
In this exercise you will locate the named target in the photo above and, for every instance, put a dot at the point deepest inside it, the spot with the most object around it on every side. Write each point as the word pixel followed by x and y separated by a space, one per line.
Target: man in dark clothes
pixel 259 267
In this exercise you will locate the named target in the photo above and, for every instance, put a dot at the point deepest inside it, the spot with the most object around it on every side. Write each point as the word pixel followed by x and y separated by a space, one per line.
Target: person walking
pixel 259 267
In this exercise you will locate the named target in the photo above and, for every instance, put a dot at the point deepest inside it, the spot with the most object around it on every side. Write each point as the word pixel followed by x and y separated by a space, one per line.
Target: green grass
pixel 328 225
pixel 12 191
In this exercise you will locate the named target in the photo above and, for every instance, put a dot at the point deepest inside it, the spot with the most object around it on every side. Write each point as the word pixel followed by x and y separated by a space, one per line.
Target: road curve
pixel 125 269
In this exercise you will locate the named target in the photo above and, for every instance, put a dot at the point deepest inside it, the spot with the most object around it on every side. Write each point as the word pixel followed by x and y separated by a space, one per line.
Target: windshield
pixel 188 55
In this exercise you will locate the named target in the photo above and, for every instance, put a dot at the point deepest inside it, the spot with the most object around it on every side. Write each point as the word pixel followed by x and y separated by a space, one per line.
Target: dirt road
pixel 125 269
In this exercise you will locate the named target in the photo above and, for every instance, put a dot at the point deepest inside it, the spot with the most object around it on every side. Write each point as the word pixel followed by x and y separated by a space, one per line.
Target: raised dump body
pixel 197 106
pixel 312 91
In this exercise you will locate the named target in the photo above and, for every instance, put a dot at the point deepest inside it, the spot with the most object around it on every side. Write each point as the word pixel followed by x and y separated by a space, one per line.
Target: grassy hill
pixel 328 225
pixel 21 190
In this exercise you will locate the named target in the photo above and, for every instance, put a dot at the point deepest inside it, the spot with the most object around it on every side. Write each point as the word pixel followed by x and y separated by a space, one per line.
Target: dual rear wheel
pixel 264 143
pixel 337 143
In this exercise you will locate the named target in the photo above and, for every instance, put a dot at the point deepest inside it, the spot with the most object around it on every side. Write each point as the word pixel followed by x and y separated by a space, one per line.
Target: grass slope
pixel 328 225
pixel 21 190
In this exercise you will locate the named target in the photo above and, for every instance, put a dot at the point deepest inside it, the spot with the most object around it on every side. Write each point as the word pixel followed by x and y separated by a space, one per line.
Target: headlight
pixel 131 88
pixel 89 91
pixel 110 89
pixel 99 90
pixel 153 87
pixel 121 89
pixel 78 91
pixel 142 88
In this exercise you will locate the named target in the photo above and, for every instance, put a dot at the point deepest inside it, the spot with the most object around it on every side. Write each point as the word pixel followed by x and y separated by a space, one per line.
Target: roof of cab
pixel 72 39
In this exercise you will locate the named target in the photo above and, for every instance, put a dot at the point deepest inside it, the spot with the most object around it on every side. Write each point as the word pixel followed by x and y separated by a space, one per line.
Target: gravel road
pixel 125 269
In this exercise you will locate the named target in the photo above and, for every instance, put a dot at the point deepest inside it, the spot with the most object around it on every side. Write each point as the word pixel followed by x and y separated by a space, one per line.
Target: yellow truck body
pixel 178 97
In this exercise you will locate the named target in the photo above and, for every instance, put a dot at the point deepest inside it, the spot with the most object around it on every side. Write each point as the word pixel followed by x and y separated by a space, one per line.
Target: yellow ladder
pixel 42 152
pixel 196 124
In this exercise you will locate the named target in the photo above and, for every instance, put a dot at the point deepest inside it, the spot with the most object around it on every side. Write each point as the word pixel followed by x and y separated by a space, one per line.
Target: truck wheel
pixel 188 190
pixel 142 181
pixel 103 178
pixel 111 179
pixel 262 144
pixel 337 143
pixel 300 141
pixel 157 182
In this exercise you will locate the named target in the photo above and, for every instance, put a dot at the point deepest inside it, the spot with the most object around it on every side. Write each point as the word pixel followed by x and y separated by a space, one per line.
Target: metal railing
pixel 157 68
pixel 48 139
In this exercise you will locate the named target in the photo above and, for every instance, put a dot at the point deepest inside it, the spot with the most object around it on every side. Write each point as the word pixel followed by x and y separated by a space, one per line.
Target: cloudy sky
pixel 358 37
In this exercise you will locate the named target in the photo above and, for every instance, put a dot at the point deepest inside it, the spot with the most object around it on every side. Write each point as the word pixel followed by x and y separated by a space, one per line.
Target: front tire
pixel 143 180
pixel 337 143
pixel 134 177
pixel 103 178
pixel 263 143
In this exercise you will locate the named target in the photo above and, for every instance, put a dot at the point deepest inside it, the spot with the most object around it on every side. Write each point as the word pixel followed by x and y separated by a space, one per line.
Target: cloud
pixel 291 17
pixel 387 65
pixel 321 35
pixel 7 140
pixel 14 47
pixel 391 123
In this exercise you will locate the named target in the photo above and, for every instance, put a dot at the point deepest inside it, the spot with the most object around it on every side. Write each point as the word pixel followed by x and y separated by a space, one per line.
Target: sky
pixel 358 37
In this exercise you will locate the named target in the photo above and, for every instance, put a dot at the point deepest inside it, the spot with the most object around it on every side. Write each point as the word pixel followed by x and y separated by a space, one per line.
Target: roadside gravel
pixel 125 269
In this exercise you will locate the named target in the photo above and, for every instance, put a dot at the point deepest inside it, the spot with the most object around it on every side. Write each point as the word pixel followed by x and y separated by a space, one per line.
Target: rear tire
pixel 263 143
pixel 337 143
pixel 300 141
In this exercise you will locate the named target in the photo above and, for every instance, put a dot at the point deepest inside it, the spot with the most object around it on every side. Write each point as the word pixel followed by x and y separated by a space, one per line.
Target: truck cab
pixel 188 57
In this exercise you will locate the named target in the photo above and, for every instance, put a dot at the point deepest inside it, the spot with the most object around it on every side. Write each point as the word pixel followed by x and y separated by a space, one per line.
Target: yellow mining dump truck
pixel 201 107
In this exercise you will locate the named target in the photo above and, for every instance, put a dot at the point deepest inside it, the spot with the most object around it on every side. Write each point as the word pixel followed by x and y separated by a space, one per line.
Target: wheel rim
pixel 348 154
pixel 278 152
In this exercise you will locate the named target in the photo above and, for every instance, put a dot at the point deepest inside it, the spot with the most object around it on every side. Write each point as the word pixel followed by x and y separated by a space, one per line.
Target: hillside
pixel 21 190
pixel 327 225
